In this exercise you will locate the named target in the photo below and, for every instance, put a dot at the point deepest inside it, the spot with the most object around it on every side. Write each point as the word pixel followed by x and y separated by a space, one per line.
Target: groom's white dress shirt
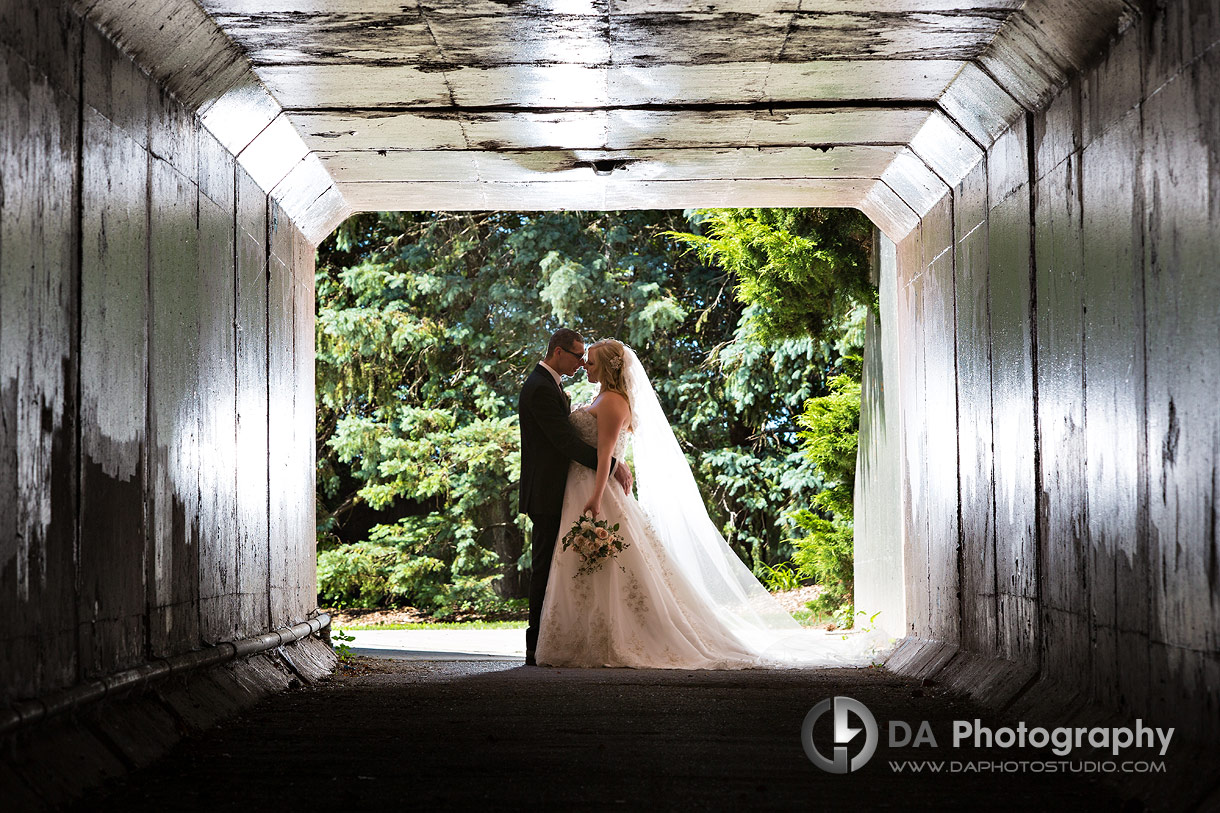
pixel 554 375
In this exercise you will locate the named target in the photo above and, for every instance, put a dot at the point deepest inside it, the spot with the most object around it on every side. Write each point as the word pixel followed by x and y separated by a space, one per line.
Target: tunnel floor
pixel 459 734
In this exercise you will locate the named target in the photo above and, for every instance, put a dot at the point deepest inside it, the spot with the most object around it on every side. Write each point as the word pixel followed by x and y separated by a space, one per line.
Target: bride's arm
pixel 611 416
pixel 552 415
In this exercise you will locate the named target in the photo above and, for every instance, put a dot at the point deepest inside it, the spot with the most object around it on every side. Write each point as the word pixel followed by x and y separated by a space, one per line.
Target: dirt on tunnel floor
pixel 436 735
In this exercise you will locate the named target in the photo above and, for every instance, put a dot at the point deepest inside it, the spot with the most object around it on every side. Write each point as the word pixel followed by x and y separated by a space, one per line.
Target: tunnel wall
pixel 878 527
pixel 1059 374
pixel 156 375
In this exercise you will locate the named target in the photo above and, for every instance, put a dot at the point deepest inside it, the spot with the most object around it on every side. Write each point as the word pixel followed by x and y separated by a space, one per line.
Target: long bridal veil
pixel 670 498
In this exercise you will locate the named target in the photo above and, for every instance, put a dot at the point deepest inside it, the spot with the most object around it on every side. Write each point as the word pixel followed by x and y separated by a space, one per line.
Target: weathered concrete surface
pixel 461 734
pixel 134 372
pixel 38 366
pixel 1071 296
pixel 423 104
pixel 191 58
pixel 879 580
pixel 430 104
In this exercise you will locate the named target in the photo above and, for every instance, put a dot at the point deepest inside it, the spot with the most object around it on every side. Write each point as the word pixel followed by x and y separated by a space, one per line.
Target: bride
pixel 677 596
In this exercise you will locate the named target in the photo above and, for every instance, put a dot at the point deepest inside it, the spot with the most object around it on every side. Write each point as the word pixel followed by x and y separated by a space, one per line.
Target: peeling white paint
pixel 477 103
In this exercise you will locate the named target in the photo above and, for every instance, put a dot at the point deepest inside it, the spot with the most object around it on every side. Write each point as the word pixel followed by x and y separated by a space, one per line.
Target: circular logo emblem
pixel 844 733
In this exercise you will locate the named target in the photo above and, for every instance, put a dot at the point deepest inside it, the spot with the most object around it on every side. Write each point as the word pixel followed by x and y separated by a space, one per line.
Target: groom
pixel 548 443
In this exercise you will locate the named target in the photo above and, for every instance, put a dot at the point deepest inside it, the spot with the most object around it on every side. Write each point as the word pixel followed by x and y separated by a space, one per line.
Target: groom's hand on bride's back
pixel 622 474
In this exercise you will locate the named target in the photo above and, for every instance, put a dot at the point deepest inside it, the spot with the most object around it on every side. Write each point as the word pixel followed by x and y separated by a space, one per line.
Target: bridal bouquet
pixel 595 540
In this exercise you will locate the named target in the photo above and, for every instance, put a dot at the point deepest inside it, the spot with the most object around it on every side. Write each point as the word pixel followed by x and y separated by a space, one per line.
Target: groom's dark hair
pixel 564 337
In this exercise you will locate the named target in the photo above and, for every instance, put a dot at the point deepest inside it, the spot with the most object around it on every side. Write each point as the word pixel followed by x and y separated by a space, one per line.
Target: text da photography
pixel 840 735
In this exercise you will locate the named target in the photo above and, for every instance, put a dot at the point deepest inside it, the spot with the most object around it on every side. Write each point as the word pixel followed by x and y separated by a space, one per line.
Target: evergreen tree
pixel 803 274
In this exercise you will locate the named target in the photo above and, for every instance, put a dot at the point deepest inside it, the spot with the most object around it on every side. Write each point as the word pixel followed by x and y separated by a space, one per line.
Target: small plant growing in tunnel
pixel 342 650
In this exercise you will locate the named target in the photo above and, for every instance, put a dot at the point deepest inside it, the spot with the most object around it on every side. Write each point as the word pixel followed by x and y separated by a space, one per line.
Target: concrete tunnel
pixel 1037 489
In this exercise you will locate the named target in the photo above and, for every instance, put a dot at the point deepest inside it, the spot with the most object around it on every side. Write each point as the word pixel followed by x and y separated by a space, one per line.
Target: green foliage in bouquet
pixel 595 541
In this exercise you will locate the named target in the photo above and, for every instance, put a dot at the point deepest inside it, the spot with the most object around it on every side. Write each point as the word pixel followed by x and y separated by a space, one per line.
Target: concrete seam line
pixel 27 712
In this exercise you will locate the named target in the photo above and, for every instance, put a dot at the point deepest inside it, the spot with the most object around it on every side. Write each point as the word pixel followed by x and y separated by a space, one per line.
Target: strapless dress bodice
pixel 585 423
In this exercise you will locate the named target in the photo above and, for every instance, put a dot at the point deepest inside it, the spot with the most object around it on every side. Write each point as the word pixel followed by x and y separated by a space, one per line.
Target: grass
pixel 439 625
pixel 808 618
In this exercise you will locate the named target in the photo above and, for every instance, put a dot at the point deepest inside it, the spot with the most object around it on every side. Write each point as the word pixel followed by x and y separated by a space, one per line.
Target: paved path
pixel 462 735
pixel 441 645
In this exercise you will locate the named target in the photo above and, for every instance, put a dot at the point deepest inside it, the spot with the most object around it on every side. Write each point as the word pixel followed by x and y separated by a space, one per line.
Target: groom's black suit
pixel 548 443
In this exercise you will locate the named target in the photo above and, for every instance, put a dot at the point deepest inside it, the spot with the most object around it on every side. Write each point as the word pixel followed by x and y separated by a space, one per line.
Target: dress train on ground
pixel 641 610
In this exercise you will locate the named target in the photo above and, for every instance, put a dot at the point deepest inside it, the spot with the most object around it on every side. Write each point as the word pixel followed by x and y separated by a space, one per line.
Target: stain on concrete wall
pixel 137 414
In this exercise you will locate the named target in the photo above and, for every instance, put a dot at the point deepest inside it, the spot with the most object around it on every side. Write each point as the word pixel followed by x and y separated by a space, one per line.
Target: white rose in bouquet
pixel 594 542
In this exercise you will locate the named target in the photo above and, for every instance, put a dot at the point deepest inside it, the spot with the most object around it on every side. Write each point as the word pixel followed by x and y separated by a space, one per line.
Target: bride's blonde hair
pixel 611 358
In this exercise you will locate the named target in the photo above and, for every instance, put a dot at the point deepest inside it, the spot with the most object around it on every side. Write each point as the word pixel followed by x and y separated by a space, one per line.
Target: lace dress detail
pixel 585 424
pixel 638 610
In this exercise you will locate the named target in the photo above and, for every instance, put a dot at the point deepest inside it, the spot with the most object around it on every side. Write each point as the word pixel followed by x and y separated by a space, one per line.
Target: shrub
pixel 830 431
pixel 469 594
pixel 825 555
pixel 366 574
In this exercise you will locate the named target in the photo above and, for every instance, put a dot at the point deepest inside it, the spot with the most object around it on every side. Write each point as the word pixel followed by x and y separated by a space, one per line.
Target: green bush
pixel 830 428
pixel 781 577
pixel 366 574
pixel 804 269
pixel 469 594
pixel 825 555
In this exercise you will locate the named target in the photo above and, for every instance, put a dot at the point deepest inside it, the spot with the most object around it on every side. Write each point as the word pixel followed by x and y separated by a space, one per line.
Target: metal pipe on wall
pixel 27 712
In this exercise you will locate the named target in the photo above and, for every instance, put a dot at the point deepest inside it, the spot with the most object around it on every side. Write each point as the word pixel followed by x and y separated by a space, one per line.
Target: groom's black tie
pixel 566 398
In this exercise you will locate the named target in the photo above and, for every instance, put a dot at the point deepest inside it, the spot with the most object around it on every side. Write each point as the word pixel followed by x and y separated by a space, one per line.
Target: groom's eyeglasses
pixel 580 356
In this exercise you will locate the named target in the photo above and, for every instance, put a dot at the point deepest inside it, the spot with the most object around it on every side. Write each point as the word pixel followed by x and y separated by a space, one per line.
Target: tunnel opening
pixel 510 277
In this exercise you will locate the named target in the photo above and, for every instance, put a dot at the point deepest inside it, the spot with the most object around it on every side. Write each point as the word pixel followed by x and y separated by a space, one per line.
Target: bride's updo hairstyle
pixel 611 358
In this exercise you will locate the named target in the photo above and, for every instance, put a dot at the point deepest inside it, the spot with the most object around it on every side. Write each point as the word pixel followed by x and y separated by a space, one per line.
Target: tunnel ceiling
pixel 477 104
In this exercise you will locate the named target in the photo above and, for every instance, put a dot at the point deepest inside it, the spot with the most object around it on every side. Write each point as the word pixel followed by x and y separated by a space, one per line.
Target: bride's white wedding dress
pixel 676 597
